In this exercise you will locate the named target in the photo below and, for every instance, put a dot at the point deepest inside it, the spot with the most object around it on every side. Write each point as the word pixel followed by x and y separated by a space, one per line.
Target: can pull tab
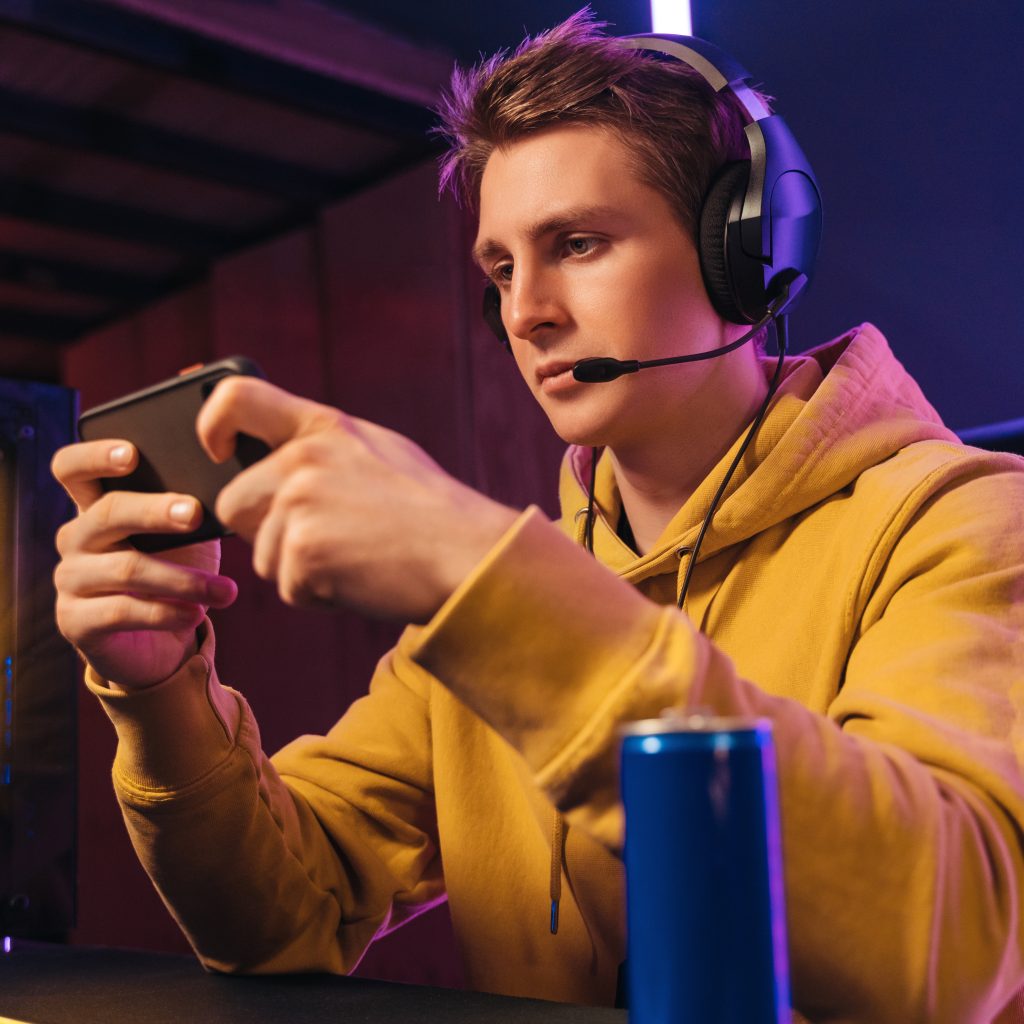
pixel 696 718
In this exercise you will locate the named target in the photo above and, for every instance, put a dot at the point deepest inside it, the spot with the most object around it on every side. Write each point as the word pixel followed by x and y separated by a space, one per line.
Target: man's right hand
pixel 132 615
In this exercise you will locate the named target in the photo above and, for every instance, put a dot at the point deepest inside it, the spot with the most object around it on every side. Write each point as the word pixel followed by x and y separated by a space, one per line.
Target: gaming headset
pixel 760 223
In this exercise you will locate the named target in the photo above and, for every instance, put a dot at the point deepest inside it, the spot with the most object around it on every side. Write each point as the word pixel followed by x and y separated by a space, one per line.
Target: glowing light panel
pixel 672 17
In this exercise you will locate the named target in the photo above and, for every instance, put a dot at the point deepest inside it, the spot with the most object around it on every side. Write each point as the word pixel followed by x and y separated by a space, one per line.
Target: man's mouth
pixel 547 371
pixel 555 376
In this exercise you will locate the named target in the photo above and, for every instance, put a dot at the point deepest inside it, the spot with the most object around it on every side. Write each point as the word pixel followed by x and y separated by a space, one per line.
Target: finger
pixel 83 622
pixel 141 575
pixel 79 467
pixel 119 514
pixel 243 503
pixel 248 405
pixel 266 551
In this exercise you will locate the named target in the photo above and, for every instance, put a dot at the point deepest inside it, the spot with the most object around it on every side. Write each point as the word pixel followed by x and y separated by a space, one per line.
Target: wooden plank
pixel 265 303
pixel 390 311
pixel 125 138
pixel 174 333
pixel 104 365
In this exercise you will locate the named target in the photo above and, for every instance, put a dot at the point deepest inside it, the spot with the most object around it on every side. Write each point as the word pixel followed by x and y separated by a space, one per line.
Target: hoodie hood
pixel 840 409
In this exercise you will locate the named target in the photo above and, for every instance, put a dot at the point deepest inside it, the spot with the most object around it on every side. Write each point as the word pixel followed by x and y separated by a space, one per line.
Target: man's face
pixel 592 262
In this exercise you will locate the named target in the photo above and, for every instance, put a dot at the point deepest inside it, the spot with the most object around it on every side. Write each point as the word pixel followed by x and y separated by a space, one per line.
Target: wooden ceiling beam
pixel 41 204
pixel 164 37
pixel 49 327
pixel 49 275
pixel 97 131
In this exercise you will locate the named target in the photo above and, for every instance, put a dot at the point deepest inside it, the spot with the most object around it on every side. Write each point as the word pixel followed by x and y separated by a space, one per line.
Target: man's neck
pixel 657 478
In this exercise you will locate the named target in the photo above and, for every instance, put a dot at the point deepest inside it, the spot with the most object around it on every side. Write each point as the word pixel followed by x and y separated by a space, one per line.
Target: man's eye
pixel 502 274
pixel 580 246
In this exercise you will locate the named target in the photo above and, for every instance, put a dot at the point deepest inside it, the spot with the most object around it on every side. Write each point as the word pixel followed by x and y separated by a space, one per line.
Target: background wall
pixel 909 113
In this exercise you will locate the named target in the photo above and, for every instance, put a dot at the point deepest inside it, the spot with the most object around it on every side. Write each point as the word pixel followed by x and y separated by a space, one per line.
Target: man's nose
pixel 532 303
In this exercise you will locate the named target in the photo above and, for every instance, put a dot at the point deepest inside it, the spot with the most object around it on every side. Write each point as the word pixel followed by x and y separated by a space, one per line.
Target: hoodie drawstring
pixel 557 853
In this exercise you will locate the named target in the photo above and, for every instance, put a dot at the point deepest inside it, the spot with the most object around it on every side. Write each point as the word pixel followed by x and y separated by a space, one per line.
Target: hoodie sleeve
pixel 902 807
pixel 349 847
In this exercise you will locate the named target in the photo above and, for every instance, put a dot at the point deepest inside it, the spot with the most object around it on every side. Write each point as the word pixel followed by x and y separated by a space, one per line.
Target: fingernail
pixel 181 511
pixel 221 591
pixel 121 455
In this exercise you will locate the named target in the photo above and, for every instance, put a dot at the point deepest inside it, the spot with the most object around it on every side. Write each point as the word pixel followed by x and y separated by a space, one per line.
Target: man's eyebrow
pixel 488 248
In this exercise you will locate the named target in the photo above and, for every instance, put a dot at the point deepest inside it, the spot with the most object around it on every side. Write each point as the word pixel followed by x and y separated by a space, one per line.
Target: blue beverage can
pixel 704 887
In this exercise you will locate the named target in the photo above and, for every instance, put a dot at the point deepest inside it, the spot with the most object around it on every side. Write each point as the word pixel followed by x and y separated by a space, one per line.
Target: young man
pixel 860 585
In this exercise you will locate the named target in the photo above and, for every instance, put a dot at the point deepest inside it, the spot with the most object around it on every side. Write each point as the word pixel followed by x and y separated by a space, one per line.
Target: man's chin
pixel 581 436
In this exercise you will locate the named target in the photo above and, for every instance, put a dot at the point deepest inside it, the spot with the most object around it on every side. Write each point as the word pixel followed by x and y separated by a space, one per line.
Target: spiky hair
pixel 679 131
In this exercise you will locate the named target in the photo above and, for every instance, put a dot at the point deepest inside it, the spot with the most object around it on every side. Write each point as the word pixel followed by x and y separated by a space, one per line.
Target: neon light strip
pixel 8 672
pixel 672 17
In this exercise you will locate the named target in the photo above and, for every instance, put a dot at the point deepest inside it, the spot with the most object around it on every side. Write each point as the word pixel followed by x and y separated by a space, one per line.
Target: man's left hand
pixel 342 511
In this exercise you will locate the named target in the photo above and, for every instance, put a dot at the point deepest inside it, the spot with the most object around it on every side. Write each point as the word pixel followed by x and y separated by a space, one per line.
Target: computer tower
pixel 37 670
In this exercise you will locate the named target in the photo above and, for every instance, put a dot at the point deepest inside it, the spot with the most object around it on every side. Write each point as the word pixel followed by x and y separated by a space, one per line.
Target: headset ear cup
pixel 492 314
pixel 728 186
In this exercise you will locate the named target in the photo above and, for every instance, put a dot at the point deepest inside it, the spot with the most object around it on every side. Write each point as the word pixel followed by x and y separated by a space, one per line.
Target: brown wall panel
pixel 265 303
pixel 173 334
pixel 395 338
pixel 103 365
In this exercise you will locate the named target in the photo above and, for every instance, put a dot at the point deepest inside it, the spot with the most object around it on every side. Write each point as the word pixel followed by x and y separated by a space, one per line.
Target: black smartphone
pixel 161 422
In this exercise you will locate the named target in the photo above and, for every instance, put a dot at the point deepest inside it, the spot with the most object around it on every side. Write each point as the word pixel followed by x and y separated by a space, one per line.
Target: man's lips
pixel 554 369
pixel 556 377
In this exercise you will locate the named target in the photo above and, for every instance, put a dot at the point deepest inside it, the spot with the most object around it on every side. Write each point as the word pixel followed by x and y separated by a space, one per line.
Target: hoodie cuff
pixel 538 639
pixel 172 733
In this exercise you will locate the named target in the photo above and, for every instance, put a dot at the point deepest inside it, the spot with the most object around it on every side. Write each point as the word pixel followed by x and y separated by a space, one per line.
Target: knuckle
pixel 157 614
pixel 289 589
pixel 129 567
pixel 310 450
pixel 60 577
pixel 300 486
pixel 261 566
pixel 327 418
pixel 302 544
pixel 185 586
pixel 62 616
pixel 226 390
pixel 64 538
pixel 231 390
pixel 115 614
pixel 105 511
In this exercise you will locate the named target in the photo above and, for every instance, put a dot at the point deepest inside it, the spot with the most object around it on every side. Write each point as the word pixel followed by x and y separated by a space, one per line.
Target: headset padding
pixel 714 260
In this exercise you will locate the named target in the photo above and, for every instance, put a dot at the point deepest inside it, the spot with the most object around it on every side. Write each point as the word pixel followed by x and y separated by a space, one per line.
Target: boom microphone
pixel 601 368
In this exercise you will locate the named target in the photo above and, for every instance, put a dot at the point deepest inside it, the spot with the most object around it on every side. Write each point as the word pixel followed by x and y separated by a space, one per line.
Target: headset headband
pixel 760 224
pixel 774 152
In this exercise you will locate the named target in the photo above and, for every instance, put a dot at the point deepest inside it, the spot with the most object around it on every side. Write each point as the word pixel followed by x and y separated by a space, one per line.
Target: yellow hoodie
pixel 861 585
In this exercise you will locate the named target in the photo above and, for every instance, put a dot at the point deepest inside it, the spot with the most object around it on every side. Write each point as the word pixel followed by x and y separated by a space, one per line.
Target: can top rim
pixel 694 723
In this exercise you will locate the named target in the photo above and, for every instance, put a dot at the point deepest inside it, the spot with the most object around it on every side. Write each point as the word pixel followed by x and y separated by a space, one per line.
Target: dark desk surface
pixel 71 985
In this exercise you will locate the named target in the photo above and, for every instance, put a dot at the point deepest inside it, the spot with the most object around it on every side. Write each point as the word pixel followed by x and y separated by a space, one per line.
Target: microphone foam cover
pixel 597 371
